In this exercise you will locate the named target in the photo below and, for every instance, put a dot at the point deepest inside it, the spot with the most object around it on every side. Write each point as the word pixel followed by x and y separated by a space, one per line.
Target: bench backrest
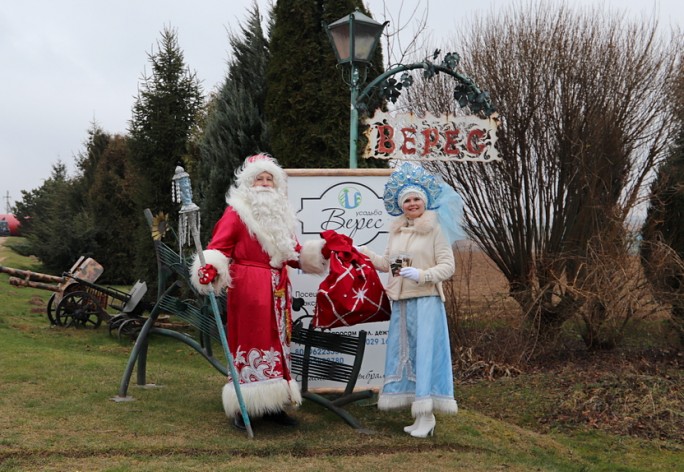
pixel 310 366
pixel 194 308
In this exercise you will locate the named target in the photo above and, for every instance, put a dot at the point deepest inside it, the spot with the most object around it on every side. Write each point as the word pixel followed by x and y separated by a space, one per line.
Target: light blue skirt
pixel 418 371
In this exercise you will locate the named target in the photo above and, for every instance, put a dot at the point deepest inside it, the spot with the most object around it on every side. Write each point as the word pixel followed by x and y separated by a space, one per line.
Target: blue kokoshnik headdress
pixel 440 197
pixel 405 176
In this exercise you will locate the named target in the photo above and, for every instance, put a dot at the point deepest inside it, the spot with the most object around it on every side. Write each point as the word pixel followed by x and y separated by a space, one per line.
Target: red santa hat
pixel 255 165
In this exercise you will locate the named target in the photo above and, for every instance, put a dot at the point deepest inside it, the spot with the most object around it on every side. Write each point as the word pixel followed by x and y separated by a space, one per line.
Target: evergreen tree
pixel 87 162
pixel 61 229
pixel 307 102
pixel 61 223
pixel 164 116
pixel 234 127
pixel 113 211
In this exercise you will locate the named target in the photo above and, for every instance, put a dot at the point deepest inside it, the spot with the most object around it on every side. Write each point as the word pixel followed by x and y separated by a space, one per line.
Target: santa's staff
pixel 188 227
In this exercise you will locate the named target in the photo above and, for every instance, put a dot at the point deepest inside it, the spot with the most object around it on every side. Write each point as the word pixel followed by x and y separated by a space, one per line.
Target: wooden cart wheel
pixel 50 310
pixel 52 306
pixel 79 309
pixel 130 328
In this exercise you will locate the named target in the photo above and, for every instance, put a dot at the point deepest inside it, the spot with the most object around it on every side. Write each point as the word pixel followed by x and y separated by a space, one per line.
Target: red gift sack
pixel 352 292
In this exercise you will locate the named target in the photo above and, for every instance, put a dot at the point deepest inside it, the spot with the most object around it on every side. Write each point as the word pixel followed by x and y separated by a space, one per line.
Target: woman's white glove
pixel 410 273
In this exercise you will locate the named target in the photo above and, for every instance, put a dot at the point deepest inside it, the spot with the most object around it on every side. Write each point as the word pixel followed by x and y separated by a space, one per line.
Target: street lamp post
pixel 354 39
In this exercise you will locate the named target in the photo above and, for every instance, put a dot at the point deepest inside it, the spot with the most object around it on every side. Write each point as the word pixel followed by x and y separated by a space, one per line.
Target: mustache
pixel 262 189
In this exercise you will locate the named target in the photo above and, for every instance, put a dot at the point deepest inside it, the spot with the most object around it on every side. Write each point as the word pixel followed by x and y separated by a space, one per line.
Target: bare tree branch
pixel 586 119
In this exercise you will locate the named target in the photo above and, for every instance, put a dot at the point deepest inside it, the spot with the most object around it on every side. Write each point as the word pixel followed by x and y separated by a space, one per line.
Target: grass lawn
pixel 57 414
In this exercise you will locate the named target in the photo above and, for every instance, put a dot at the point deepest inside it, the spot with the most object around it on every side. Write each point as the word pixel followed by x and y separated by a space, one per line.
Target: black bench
pixel 308 366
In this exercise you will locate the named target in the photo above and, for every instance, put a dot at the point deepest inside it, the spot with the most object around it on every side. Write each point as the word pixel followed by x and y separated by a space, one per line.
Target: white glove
pixel 410 273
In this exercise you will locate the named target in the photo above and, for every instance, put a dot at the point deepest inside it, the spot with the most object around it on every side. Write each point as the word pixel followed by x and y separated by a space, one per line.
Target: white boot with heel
pixel 425 426
pixel 410 428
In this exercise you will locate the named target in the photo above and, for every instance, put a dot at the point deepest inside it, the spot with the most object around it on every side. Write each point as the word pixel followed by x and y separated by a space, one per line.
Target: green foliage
pixel 665 216
pixel 164 116
pixel 87 162
pixel 110 203
pixel 307 102
pixel 20 246
pixel 88 215
pixel 234 127
pixel 59 229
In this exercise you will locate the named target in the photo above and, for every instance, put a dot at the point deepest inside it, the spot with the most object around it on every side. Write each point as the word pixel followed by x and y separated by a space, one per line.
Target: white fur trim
pixel 311 259
pixel 295 393
pixel 260 398
pixel 423 224
pixel 222 265
pixel 394 401
pixel 421 407
pixel 445 405
pixel 246 174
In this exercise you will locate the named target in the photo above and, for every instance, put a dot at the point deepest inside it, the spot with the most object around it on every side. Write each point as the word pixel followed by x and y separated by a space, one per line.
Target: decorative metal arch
pixel 466 92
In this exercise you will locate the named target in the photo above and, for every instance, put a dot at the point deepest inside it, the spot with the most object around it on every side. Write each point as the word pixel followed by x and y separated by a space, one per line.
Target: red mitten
pixel 206 274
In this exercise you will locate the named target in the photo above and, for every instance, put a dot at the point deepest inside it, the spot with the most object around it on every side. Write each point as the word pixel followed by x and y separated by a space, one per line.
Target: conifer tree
pixel 307 102
pixel 87 162
pixel 164 115
pixel 61 229
pixel 235 126
pixel 112 208
pixel 60 225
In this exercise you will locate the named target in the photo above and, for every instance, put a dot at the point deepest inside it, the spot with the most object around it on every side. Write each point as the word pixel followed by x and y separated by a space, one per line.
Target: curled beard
pixel 269 218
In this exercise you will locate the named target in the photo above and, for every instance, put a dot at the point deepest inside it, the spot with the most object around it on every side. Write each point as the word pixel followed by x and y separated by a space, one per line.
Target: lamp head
pixel 355 37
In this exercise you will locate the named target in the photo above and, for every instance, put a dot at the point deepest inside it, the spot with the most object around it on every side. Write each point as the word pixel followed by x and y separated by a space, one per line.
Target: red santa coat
pixel 258 319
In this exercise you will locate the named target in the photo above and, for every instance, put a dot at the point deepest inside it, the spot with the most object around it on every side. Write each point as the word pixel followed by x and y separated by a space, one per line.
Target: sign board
pixel 407 136
pixel 348 201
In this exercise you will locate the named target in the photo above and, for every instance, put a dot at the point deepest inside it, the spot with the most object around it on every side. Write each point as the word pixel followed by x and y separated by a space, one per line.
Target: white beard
pixel 269 218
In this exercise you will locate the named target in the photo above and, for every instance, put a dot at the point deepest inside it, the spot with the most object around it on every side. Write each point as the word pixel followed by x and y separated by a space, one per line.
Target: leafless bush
pixel 614 291
pixel 664 269
pixel 490 337
pixel 486 342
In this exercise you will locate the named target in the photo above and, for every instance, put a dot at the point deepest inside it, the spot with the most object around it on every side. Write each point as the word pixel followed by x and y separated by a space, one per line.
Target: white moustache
pixel 263 189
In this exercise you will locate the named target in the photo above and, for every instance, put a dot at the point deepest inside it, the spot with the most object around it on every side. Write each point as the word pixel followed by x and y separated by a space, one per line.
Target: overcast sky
pixel 68 63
